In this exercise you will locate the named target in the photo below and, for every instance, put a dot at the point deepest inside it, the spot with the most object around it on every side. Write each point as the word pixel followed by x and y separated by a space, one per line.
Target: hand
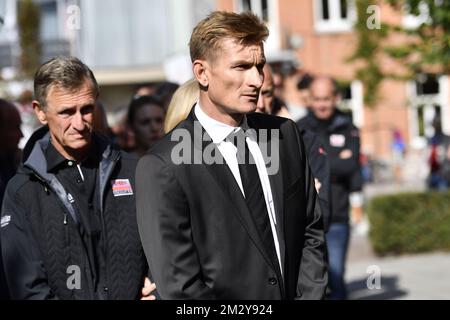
pixel 318 185
pixel 346 154
pixel 356 214
pixel 147 290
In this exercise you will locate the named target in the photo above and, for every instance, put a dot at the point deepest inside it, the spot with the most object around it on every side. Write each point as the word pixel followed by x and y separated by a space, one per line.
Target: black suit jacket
pixel 199 236
pixel 320 168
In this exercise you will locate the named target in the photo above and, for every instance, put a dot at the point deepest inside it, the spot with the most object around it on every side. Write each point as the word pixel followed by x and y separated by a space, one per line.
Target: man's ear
pixel 200 68
pixel 40 114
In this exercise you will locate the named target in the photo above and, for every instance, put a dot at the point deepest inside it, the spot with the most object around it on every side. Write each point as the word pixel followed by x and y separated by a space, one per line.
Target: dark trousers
pixel 337 243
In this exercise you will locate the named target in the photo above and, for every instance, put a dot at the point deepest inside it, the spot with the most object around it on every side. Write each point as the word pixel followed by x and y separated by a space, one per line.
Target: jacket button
pixel 105 289
pixel 273 281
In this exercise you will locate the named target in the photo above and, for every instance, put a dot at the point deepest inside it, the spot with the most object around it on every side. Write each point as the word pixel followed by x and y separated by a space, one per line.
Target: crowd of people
pixel 89 215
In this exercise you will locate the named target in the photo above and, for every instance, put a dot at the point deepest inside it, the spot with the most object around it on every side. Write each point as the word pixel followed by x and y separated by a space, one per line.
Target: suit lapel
pixel 224 178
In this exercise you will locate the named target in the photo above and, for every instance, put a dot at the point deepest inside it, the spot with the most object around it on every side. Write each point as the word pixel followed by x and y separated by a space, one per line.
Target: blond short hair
pixel 181 104
pixel 245 28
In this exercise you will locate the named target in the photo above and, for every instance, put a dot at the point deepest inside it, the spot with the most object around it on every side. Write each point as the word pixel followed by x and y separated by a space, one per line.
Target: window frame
pixel 355 104
pixel 335 23
pixel 428 101
pixel 255 7
pixel 273 43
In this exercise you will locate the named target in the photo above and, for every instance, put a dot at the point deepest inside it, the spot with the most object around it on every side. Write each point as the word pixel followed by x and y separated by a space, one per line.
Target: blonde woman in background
pixel 181 104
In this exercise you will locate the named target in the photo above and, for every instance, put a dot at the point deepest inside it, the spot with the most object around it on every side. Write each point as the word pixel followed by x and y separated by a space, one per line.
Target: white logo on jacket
pixel 5 221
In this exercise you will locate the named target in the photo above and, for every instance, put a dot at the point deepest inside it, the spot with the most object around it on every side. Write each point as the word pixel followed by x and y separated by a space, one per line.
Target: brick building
pixel 319 35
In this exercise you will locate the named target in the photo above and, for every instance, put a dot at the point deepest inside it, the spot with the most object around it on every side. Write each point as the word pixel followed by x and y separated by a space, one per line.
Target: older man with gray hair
pixel 68 225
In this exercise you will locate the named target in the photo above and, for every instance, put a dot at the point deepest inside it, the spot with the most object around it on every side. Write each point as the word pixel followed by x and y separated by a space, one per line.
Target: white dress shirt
pixel 218 132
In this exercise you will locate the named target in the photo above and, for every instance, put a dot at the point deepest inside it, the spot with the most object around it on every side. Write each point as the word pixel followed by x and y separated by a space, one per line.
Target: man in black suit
pixel 226 204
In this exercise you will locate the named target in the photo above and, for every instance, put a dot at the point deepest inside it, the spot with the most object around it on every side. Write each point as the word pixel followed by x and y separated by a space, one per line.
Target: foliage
pixel 429 44
pixel 410 223
pixel 29 35
pixel 368 52
pixel 425 49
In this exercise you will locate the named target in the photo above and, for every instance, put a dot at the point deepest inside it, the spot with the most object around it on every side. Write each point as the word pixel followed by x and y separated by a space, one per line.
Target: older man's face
pixel 69 116
pixel 235 77
pixel 323 98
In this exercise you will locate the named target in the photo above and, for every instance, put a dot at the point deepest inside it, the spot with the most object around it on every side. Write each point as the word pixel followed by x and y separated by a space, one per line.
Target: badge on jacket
pixel 121 187
pixel 337 140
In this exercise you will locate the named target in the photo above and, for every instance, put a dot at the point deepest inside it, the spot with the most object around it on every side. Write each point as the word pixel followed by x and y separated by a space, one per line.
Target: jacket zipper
pixel 104 237
pixel 47 189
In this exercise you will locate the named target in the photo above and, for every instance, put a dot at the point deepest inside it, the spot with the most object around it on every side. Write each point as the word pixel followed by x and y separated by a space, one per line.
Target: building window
pixel 49 20
pixel 344 9
pixel 268 11
pixel 325 10
pixel 352 101
pixel 429 101
pixel 333 16
pixel 258 7
pixel 427 84
pixel 426 114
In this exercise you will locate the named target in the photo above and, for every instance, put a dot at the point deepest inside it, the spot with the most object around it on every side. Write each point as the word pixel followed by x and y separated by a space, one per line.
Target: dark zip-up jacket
pixel 44 254
pixel 336 135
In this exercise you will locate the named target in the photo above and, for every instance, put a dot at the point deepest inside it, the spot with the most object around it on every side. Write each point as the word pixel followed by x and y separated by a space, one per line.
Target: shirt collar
pixel 55 159
pixel 217 130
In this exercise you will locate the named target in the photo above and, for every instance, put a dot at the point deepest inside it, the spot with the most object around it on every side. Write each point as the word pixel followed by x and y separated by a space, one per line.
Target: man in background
pixel 317 159
pixel 10 135
pixel 341 141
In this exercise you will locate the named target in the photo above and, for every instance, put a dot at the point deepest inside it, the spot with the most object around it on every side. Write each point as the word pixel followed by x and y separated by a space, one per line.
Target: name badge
pixel 121 188
pixel 337 140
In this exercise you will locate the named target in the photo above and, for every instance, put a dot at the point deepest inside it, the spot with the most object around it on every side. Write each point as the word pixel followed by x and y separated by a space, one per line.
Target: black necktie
pixel 254 196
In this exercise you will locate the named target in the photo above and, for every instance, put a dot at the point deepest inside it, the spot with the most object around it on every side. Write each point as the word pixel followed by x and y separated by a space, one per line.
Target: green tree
pixel 428 46
pixel 368 51
pixel 29 32
pixel 425 48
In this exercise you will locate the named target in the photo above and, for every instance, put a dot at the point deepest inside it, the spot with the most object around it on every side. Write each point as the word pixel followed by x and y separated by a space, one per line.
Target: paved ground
pixel 406 277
